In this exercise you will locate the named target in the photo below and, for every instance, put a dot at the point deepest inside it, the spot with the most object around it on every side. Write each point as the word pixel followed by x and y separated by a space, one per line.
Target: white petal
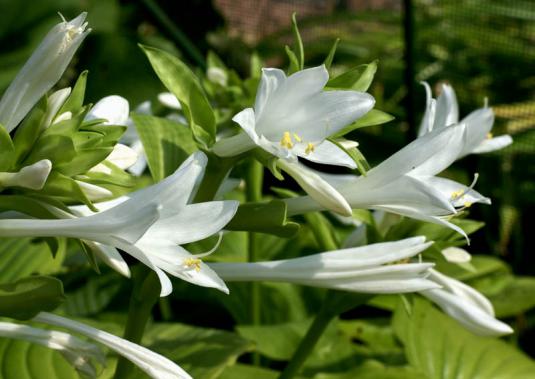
pixel 478 125
pixel 169 100
pixel 54 103
pixel 94 192
pixel 110 256
pixel 271 80
pixel 493 144
pixel 122 156
pixel 456 255
pixel 114 109
pixel 316 187
pixel 326 153
pixel 447 108
pixel 429 116
pixel 155 365
pixel 193 222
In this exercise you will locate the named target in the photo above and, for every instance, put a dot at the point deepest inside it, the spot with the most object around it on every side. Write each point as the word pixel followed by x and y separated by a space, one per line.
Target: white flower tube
pixel 406 183
pixel 466 305
pixel 33 176
pixel 42 70
pixel 79 353
pixel 366 269
pixel 444 111
pixel 154 365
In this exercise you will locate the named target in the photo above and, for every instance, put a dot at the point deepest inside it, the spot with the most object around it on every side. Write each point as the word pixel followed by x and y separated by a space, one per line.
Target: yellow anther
pixel 457 194
pixel 286 140
pixel 467 204
pixel 297 138
pixel 310 148
pixel 489 135
pixel 193 263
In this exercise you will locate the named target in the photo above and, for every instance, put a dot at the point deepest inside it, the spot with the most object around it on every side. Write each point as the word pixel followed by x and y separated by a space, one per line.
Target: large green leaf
pixel 166 143
pixel 26 297
pixel 441 348
pixel 204 353
pixel 376 370
pixel 516 297
pixel 22 257
pixel 183 83
pixel 24 360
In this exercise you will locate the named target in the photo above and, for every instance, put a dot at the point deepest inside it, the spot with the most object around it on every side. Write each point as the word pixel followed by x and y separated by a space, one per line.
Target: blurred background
pixel 485 49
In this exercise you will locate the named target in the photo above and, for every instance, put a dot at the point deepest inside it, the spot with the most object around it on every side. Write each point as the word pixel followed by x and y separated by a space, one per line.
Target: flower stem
pixel 255 178
pixel 216 171
pixel 145 294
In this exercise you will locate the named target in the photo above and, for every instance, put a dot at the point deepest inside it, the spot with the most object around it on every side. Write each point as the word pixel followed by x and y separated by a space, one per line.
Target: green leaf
pixel 294 62
pixel 298 42
pixel 441 348
pixel 22 257
pixel 29 131
pixel 95 295
pixel 25 360
pixel 515 298
pixel 7 150
pixel 202 352
pixel 76 99
pixel 181 81
pixel 242 371
pixel 65 188
pixel 263 218
pixel 376 370
pixel 167 143
pixel 373 117
pixel 329 58
pixel 26 297
pixel 358 79
pixel 57 148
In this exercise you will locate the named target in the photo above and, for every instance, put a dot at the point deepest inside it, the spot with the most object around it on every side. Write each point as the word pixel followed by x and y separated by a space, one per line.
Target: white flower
pixel 444 111
pixel 365 269
pixel 79 353
pixel 42 70
pixel 293 117
pixel 154 365
pixel 114 109
pixel 149 224
pixel 406 183
pixel 466 305
pixel 33 176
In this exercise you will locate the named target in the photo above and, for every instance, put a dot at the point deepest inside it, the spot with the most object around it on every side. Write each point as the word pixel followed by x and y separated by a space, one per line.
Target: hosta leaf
pixel 166 143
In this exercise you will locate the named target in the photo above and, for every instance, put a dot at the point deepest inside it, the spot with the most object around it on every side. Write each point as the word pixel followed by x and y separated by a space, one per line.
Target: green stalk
pixel 216 171
pixel 255 178
pixel 145 294
pixel 335 302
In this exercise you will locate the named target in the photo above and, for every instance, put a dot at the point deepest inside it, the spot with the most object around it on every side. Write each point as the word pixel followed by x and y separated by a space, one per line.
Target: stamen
pixel 193 263
pixel 286 140
pixel 458 194
pixel 297 138
pixel 467 204
pixel 310 148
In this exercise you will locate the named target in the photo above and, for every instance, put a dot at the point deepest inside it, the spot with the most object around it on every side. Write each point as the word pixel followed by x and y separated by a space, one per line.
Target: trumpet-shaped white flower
pixel 466 305
pixel 79 353
pixel 33 176
pixel 42 70
pixel 406 183
pixel 365 269
pixel 293 117
pixel 153 364
pixel 444 111
pixel 149 224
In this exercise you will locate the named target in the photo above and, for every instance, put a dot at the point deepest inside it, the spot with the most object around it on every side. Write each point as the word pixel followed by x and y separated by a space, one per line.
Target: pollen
pixel 467 204
pixel 193 263
pixel 310 148
pixel 457 194
pixel 297 138
pixel 489 135
pixel 286 140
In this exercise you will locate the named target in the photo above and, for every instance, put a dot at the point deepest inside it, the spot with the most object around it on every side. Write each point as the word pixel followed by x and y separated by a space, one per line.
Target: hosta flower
pixel 466 305
pixel 406 183
pixel 42 70
pixel 79 353
pixel 154 365
pixel 149 224
pixel 33 176
pixel 444 111
pixel 366 269
pixel 293 117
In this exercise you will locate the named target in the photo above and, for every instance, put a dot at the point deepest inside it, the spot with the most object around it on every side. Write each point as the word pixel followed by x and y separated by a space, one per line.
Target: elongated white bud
pixel 33 176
